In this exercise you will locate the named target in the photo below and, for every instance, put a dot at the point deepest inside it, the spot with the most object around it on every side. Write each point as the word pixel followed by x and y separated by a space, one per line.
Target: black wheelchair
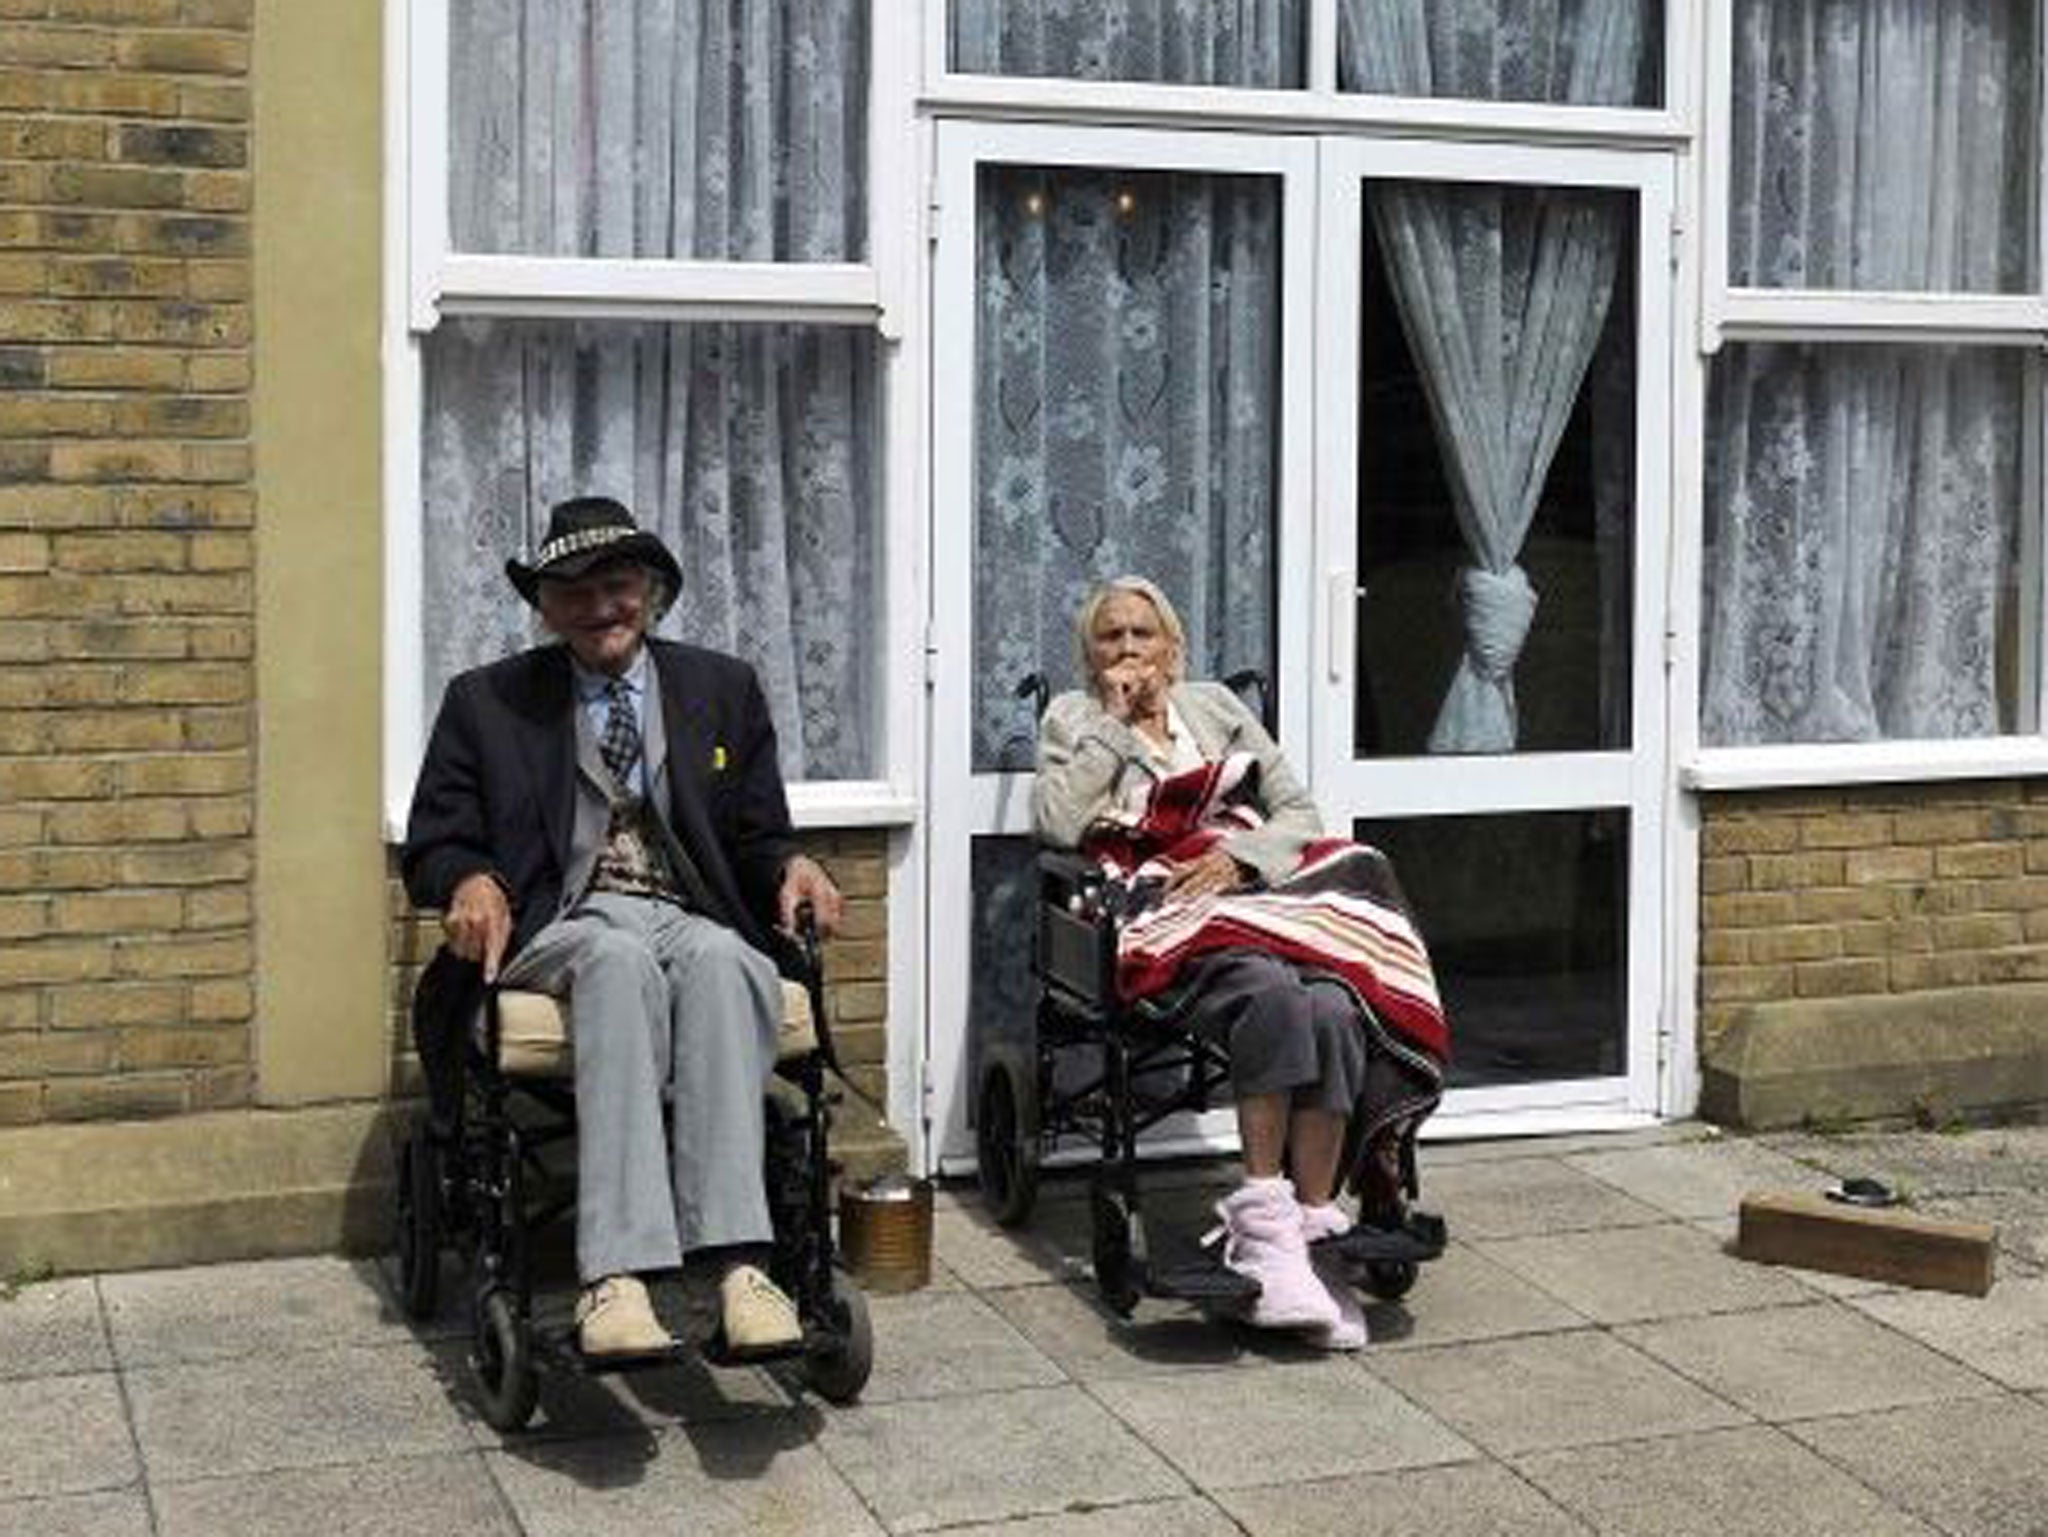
pixel 1099 1070
pixel 473 1176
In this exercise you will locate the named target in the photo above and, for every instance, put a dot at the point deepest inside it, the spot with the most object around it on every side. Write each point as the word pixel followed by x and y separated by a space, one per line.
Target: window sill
pixel 850 803
pixel 1853 763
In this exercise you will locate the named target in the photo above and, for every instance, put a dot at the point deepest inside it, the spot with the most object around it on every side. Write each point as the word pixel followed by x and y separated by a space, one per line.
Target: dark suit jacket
pixel 497 791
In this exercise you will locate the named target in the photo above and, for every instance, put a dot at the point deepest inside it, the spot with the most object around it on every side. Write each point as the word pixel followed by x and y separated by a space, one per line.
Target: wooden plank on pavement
pixel 1878 1243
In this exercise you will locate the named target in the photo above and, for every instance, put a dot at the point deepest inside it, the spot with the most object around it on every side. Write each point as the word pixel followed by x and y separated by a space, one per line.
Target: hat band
pixel 578 542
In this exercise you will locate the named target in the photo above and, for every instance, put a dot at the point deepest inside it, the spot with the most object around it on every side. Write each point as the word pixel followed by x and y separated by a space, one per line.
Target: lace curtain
pixel 1862 501
pixel 1503 293
pixel 708 129
pixel 1214 42
pixel 1125 419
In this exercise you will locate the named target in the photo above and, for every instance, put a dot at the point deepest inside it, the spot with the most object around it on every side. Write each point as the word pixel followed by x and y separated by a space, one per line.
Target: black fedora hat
pixel 588 531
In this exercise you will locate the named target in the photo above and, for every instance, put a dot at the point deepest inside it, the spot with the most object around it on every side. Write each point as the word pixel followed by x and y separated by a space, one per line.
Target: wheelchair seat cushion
pixel 536 1039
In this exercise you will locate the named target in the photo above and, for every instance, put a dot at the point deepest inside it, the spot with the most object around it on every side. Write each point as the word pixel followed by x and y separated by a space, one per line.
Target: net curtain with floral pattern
pixel 729 130
pixel 1503 292
pixel 1861 500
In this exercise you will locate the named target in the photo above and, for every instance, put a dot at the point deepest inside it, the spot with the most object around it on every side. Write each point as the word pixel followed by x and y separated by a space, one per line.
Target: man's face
pixel 602 614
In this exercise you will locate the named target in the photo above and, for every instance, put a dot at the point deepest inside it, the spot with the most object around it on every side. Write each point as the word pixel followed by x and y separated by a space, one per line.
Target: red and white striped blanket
pixel 1339 911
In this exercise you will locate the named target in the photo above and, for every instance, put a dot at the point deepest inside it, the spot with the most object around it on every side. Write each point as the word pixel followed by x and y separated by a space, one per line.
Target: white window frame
pixel 427 281
pixel 1317 107
pixel 1733 314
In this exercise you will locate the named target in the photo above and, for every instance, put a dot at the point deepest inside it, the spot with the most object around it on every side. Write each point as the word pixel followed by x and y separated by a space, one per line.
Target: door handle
pixel 1339 598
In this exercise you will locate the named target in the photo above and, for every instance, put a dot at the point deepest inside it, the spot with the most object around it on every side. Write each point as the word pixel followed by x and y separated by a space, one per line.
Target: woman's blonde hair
pixel 1137 587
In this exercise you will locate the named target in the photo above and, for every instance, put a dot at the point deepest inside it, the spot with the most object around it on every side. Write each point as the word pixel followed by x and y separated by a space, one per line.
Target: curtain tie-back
pixel 1499 608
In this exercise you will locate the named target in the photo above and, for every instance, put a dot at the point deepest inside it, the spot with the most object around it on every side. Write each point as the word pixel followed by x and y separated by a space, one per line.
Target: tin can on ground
pixel 885 1233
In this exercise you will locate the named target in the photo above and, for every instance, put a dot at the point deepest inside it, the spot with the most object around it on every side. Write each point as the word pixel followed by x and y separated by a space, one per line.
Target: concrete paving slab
pixel 1625 1274
pixel 216 1312
pixel 1275 1424
pixel 123 1513
pixel 1977 1469
pixel 1072 1328
pixel 2020 1217
pixel 935 1343
pixel 1551 1390
pixel 1451 1154
pixel 984 1255
pixel 574 1403
pixel 1469 1499
pixel 1182 1518
pixel 1931 1163
pixel 1530 1195
pixel 729 1480
pixel 1034 1451
pixel 256 1414
pixel 1751 1479
pixel 2003 1335
pixel 52 1328
pixel 64 1435
pixel 1707 1178
pixel 448 1496
pixel 1800 1362
pixel 1466 1296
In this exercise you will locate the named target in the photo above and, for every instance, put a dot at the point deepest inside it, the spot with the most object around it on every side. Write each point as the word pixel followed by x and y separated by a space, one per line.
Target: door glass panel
pixel 1496 470
pixel 1002 992
pixel 1526 917
pixel 1606 53
pixel 1217 42
pixel 1126 420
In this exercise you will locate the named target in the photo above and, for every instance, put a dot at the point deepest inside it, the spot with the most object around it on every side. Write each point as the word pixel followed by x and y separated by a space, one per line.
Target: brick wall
pixel 856 962
pixel 1860 891
pixel 126 632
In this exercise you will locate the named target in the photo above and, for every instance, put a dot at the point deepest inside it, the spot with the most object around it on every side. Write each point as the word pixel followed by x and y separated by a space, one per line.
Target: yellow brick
pixel 128 550
pixel 208 729
pixel 2016 895
pixel 2037 926
pixel 218 191
pixel 118 277
pixel 20 826
pixel 54 320
pixel 1917 973
pixel 210 102
pixel 1841 904
pixel 114 368
pixel 2017 965
pixel 23 274
pixel 183 322
pixel 50 869
pixel 229 817
pixel 860 1001
pixel 218 280
pixel 1778 872
pixel 222 640
pixel 221 1088
pixel 114 95
pixel 206 956
pixel 1724 873
pixel 185 774
pixel 54 1054
pixel 231 551
pixel 1869 867
pixel 102 1006
pixel 113 640
pixel 35 961
pixel 106 822
pixel 223 998
pixel 192 864
pixel 1842 978
pixel 116 912
pixel 127 1097
pixel 214 462
pixel 1977 931
pixel 217 907
pixel 1748 910
pixel 184 416
pixel 183 53
pixel 228 592
pixel 160 12
pixel 95 731
pixel 53 416
pixel 202 683
pixel 230 15
pixel 1747 984
pixel 54 47
pixel 21 1010
pixel 43 779
pixel 24 552
pixel 218 372
pixel 856 960
pixel 1771 946
pixel 1749 835
pixel 24 917
pixel 106 462
pixel 1942 825
pixel 145 1048
pixel 1724 949
pixel 1992 861
pixel 21 1104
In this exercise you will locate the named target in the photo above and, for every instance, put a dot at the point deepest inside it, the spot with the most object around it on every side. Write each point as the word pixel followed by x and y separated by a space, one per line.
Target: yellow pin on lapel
pixel 718 758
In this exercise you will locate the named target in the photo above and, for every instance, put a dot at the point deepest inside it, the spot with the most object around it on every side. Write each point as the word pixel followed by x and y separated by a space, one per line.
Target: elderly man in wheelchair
pixel 603 822
pixel 1223 911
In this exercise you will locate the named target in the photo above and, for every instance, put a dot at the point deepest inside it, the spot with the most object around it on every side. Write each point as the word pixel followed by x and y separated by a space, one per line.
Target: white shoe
pixel 758 1314
pixel 614 1317
pixel 1262 1239
pixel 1350 1331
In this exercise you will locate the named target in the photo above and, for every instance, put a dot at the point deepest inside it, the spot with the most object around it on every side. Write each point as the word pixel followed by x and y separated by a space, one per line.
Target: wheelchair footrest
pixel 1420 1237
pixel 560 1347
pixel 1204 1282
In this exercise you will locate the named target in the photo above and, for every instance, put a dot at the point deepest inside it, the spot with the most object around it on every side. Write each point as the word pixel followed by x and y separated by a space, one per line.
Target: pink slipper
pixel 1262 1239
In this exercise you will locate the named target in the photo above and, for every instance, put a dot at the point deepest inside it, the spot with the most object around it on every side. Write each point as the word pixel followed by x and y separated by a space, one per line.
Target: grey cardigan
pixel 1086 755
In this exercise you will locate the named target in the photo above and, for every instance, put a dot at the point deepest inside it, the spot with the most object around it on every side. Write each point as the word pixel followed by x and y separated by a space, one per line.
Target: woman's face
pixel 1127 629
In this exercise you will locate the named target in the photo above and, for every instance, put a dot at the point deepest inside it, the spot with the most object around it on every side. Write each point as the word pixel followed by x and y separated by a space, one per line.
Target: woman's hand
pixel 1212 874
pixel 1133 690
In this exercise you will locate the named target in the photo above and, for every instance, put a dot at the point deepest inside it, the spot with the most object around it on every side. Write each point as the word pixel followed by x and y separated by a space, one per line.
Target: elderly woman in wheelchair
pixel 1289 952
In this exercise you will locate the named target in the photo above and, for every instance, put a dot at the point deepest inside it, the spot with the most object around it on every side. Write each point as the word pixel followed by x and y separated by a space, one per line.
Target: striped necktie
pixel 620 744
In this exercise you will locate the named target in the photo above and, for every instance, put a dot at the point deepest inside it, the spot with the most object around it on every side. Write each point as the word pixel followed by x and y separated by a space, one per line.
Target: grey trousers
pixel 662 1001
pixel 1287 1031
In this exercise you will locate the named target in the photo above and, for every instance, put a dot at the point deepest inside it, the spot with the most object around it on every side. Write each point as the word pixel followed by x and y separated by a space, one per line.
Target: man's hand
pixel 804 880
pixel 478 922
pixel 1214 872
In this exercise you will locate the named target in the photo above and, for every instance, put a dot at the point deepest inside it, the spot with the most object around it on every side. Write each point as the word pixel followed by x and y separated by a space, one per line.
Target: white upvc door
pixel 996 184
pixel 1536 863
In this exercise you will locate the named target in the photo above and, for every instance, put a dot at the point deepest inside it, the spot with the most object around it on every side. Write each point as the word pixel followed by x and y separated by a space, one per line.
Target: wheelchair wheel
pixel 1391 1279
pixel 1006 1127
pixel 1115 1249
pixel 838 1365
pixel 507 1381
pixel 419 1224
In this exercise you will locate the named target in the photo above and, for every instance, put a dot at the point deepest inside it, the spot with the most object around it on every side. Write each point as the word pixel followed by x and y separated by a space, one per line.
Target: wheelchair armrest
pixel 1074 948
